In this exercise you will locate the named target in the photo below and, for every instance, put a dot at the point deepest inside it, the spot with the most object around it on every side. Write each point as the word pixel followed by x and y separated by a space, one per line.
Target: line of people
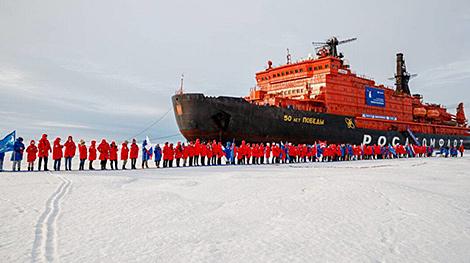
pixel 200 153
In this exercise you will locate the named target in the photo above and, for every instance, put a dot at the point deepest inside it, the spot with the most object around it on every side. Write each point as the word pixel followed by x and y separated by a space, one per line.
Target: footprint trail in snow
pixel 45 241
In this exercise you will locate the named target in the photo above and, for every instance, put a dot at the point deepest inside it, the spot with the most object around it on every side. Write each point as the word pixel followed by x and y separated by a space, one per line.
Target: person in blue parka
pixel 343 152
pixel 350 151
pixel 228 152
pixel 319 151
pixel 453 152
pixel 158 155
pixel 145 155
pixel 392 151
pixel 17 154
pixel 444 152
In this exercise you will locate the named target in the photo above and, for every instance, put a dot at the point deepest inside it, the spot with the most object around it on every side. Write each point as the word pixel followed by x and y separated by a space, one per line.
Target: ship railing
pixel 363 76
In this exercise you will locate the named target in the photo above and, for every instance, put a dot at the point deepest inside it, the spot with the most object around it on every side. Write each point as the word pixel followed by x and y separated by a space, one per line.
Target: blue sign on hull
pixel 375 97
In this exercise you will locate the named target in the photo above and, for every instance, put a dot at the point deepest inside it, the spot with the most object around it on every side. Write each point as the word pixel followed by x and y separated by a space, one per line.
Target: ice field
pixel 406 210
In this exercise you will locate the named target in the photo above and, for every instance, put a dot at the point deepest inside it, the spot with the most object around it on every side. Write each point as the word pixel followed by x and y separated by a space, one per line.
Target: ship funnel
pixel 460 116
pixel 402 77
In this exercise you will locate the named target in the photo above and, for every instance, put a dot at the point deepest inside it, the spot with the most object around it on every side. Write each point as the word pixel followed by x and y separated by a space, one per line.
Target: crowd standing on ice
pixel 199 153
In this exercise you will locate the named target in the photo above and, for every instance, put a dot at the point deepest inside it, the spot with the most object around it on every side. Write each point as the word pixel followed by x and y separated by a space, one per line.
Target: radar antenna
pixel 331 45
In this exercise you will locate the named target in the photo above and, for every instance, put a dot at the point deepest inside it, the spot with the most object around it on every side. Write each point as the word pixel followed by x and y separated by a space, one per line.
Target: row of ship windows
pixel 390 106
pixel 285 73
pixel 291 91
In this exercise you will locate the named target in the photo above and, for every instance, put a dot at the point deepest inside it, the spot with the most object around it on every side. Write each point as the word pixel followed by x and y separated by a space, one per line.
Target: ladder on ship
pixel 413 136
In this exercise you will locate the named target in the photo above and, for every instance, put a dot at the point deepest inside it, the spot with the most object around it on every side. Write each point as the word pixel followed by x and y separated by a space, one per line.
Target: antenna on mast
pixel 288 57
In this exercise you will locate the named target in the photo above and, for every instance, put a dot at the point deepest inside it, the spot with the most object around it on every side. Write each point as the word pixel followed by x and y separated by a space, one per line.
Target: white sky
pixel 107 68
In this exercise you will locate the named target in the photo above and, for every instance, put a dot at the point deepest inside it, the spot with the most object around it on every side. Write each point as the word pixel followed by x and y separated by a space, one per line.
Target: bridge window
pixel 326 66
pixel 309 68
pixel 296 71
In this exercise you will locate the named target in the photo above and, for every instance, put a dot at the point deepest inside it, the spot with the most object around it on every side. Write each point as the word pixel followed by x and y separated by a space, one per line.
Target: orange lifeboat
pixel 433 114
pixel 419 112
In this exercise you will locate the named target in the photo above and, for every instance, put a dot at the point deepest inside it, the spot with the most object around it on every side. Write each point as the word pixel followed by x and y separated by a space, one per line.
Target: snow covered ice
pixel 406 210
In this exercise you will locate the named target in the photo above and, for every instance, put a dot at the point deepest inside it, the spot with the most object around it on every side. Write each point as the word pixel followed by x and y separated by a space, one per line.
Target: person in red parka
pixel 166 154
pixel 238 152
pixel 44 147
pixel 328 153
pixel 191 153
pixel 276 153
pixel 203 153
pixel 82 152
pixel 197 152
pixel 69 153
pixel 357 152
pixel 267 152
pixel 400 150
pixel 185 153
pixel 461 150
pixel 377 151
pixel 92 154
pixel 57 154
pixel 370 151
pixel 214 152
pixel 103 148
pixel 209 153
pixel 113 155
pixel 178 153
pixel 254 153
pixel 314 152
pixel 248 152
pixel 124 154
pixel 220 153
pixel 261 153
pixel 32 150
pixel 134 153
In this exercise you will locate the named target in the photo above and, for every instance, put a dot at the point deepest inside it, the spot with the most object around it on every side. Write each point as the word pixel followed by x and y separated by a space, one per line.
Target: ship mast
pixel 288 57
pixel 180 91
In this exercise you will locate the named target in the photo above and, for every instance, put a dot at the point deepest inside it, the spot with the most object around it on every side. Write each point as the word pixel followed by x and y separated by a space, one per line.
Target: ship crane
pixel 331 45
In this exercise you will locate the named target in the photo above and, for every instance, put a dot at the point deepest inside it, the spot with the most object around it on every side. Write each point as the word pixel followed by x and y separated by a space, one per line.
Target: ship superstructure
pixel 326 84
pixel 320 98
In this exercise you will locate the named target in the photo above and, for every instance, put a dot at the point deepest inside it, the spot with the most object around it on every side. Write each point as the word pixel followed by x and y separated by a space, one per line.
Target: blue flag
pixel 6 144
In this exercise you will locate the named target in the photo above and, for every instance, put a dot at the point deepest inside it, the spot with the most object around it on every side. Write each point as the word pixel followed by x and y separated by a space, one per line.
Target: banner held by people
pixel 7 143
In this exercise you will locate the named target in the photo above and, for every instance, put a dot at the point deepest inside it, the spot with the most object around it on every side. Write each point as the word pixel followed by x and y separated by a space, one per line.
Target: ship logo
pixel 350 123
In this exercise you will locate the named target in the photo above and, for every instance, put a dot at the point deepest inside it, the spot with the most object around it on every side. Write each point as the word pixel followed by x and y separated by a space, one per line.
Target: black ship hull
pixel 229 119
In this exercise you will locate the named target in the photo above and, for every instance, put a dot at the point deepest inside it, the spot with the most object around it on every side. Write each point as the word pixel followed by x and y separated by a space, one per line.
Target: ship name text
pixel 306 120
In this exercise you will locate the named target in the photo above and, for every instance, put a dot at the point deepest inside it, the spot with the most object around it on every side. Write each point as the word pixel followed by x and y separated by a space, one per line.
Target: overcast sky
pixel 107 68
